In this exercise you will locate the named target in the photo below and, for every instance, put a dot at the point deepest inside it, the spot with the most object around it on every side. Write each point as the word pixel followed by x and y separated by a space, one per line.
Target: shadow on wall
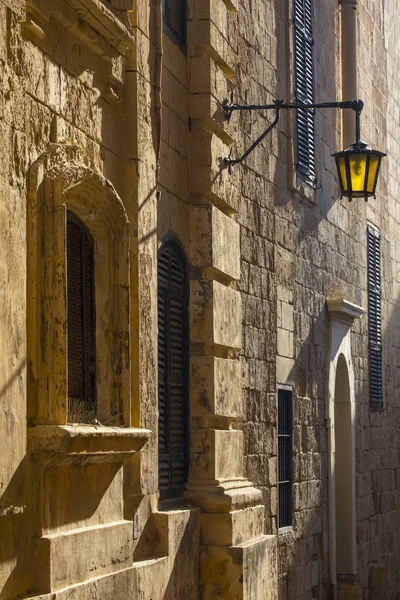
pixel 303 553
pixel 376 458
pixel 303 262
pixel 323 267
pixel 15 506
pixel 174 536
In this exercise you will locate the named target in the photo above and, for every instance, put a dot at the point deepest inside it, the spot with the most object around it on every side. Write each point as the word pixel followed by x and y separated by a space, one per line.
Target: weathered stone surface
pixel 217 454
pixel 215 314
pixel 138 126
pixel 216 386
pixel 64 559
pixel 228 570
pixel 211 233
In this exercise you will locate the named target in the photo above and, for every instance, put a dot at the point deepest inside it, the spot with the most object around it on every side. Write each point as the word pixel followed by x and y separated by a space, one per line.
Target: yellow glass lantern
pixel 358 170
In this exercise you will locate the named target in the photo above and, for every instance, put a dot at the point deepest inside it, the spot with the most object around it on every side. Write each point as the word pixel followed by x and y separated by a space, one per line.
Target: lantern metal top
pixel 358 166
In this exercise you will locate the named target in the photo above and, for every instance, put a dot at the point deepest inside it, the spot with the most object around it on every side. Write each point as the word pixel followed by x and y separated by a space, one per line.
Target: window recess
pixel 285 457
pixel 174 17
pixel 172 373
pixel 81 327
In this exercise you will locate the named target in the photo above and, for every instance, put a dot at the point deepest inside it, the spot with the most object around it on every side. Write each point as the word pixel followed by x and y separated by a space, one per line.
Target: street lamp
pixel 358 169
pixel 358 166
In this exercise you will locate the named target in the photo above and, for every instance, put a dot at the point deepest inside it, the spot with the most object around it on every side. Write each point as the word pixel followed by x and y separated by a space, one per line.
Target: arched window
pixel 79 283
pixel 172 372
pixel 81 327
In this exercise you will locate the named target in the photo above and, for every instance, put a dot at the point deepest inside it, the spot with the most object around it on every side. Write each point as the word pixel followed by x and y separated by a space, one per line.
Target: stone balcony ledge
pixel 85 444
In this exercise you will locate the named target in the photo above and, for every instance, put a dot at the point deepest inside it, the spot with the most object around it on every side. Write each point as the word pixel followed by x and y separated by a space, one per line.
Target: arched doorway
pixel 344 473
pixel 341 441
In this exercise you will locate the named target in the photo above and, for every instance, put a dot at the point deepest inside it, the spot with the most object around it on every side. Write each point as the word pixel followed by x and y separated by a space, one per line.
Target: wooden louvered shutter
pixel 172 373
pixel 374 318
pixel 80 321
pixel 304 86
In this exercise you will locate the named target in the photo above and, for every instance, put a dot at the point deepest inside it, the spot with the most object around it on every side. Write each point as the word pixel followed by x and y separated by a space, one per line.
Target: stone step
pixel 118 586
pixel 245 571
pixel 64 559
pixel 231 529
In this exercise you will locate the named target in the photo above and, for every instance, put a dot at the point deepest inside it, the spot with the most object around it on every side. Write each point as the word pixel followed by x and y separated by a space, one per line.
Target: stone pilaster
pixel 235 555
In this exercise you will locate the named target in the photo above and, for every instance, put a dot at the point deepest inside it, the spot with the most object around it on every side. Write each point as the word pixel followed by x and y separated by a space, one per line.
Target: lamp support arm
pixel 278 105
pixel 230 162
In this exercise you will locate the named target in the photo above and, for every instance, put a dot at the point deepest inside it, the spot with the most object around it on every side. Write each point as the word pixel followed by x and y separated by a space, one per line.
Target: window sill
pixel 288 529
pixel 304 190
pixel 86 444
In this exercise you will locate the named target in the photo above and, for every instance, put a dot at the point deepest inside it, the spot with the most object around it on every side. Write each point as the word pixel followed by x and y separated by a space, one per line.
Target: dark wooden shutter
pixel 80 321
pixel 172 372
pixel 374 318
pixel 304 86
pixel 284 458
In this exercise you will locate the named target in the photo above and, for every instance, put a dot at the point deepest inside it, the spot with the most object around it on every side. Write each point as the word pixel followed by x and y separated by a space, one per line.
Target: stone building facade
pixel 111 118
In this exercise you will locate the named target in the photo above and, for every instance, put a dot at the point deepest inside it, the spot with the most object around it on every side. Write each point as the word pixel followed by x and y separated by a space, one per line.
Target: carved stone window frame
pixel 57 182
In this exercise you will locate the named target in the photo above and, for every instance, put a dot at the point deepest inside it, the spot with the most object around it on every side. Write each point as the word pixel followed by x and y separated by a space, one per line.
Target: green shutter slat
pixel 374 318
pixel 304 87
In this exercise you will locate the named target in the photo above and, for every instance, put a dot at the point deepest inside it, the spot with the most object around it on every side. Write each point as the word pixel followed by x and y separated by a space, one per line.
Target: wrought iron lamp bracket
pixel 278 105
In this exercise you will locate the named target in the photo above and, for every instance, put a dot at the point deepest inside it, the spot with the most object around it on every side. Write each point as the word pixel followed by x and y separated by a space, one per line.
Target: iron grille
pixel 172 373
pixel 81 321
pixel 374 318
pixel 304 87
pixel 284 458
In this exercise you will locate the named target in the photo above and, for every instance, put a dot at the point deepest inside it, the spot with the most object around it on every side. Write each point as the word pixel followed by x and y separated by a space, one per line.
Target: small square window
pixel 174 15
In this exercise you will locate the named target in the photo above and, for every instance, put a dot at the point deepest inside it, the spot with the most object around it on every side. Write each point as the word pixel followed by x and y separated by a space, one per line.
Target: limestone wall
pixel 299 246
pixel 97 92
pixel 13 477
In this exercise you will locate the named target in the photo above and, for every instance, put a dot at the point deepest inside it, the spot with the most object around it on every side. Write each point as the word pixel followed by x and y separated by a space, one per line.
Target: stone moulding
pixel 58 181
pixel 77 15
pixel 343 310
pixel 86 444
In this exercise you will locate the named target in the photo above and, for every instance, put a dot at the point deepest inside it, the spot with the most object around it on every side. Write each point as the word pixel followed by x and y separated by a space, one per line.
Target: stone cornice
pixel 343 310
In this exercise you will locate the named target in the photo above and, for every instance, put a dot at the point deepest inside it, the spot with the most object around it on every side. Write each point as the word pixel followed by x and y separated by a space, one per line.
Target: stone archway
pixel 344 472
pixel 340 411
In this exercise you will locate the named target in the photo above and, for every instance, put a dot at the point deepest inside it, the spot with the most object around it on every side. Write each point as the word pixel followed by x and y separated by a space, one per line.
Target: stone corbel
pixel 34 21
pixel 112 91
